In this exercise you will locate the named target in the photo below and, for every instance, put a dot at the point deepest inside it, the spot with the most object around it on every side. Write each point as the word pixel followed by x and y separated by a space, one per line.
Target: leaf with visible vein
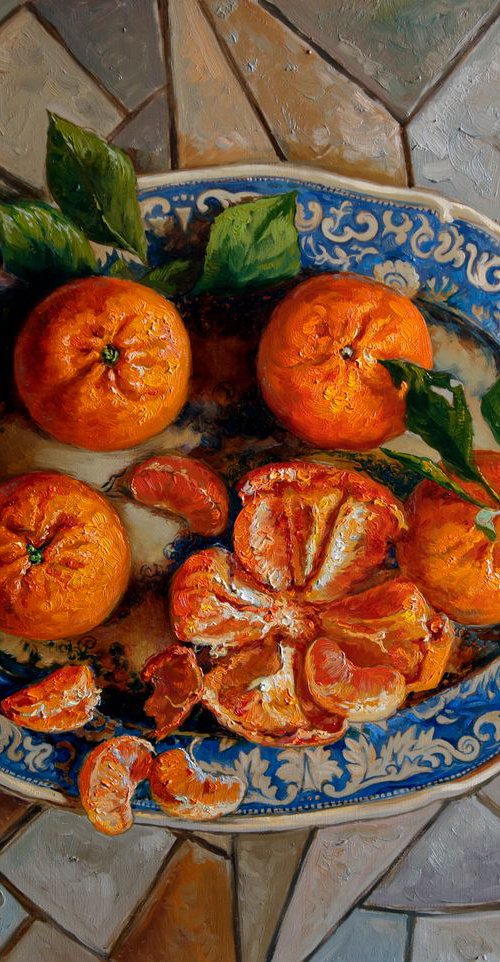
pixel 95 185
pixel 490 409
pixel 35 239
pixel 427 468
pixel 173 279
pixel 251 245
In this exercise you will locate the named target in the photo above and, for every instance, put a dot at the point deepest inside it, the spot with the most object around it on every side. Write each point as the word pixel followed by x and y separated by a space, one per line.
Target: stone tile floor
pixel 423 887
pixel 399 92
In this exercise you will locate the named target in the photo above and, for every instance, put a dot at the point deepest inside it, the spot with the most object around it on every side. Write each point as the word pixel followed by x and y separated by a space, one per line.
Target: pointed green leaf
pixel 484 520
pixel 95 185
pixel 437 411
pixel 37 239
pixel 176 278
pixel 251 245
pixel 433 472
pixel 490 409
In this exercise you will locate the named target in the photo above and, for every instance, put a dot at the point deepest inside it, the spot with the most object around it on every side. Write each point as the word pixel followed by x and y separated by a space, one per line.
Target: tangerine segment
pixel 392 625
pixel 108 779
pixel 61 702
pixel 214 602
pixel 455 565
pixel 361 694
pixel 183 486
pixel 253 692
pixel 184 790
pixel 178 684
pixel 318 360
pixel 64 556
pixel 312 527
pixel 103 363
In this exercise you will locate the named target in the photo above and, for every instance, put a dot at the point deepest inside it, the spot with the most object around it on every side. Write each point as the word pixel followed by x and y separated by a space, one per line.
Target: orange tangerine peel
pixel 108 779
pixel 61 702
pixel 177 682
pixel 184 790
pixel 360 694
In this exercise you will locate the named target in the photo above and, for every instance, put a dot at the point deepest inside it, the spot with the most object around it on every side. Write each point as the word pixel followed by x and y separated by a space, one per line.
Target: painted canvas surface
pixel 250 481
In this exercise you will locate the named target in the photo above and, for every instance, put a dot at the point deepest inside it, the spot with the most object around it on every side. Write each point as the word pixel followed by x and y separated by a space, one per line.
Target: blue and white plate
pixel 449 257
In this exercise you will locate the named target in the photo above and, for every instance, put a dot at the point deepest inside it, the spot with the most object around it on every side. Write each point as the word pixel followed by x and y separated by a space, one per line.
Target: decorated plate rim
pixel 399 801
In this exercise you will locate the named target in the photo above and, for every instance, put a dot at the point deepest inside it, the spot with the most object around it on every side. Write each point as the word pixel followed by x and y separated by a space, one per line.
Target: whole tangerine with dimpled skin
pixel 318 362
pixel 453 563
pixel 103 363
pixel 64 557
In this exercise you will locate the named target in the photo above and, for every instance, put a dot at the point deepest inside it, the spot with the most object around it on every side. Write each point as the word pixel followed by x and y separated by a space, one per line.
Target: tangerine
pixel 453 563
pixel 185 487
pixel 177 682
pixel 64 556
pixel 184 790
pixel 103 363
pixel 318 360
pixel 61 702
pixel 108 778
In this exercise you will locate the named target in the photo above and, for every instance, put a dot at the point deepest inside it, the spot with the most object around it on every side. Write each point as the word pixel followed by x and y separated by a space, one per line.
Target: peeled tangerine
pixel 177 681
pixel 63 701
pixel 185 487
pixel 306 573
pixel 184 790
pixel 108 779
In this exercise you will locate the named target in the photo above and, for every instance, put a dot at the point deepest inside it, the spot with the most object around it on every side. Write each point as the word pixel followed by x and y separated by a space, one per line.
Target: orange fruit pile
pixel 103 363
pixel 304 625
pixel 318 360
pixel 64 556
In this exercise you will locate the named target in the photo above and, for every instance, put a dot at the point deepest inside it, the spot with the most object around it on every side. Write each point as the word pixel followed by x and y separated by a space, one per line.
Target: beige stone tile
pixel 367 937
pixel 474 937
pixel 341 864
pixel 316 113
pixel 455 863
pixel 266 865
pixel 224 842
pixel 215 122
pixel 146 137
pixel 491 792
pixel 37 75
pixel 87 882
pixel 42 943
pixel 190 916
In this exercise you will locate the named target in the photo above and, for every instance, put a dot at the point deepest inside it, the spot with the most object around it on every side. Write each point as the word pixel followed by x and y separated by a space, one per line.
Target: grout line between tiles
pixel 489 804
pixel 410 176
pixel 410 935
pixel 209 846
pixel 53 31
pixel 249 94
pixel 164 17
pixel 144 903
pixel 11 14
pixel 14 831
pixel 133 113
pixel 16 936
pixel 377 98
pixel 468 46
pixel 19 185
pixel 367 892
pixel 236 901
pixel 36 912
pixel 289 895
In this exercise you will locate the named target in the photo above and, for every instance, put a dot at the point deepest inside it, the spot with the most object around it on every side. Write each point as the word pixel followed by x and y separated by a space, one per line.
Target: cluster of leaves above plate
pixel 250 245
pixel 94 184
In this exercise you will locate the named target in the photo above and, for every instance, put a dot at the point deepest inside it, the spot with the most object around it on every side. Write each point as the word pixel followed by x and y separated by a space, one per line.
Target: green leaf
pixel 251 245
pixel 437 411
pixel 490 409
pixel 172 279
pixel 484 520
pixel 37 239
pixel 429 469
pixel 94 185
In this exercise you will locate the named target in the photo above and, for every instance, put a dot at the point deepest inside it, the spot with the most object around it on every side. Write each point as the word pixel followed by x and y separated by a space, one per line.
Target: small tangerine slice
pixel 108 779
pixel 61 702
pixel 361 694
pixel 184 790
pixel 394 626
pixel 253 692
pixel 178 684
pixel 315 528
pixel 183 486
pixel 214 602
